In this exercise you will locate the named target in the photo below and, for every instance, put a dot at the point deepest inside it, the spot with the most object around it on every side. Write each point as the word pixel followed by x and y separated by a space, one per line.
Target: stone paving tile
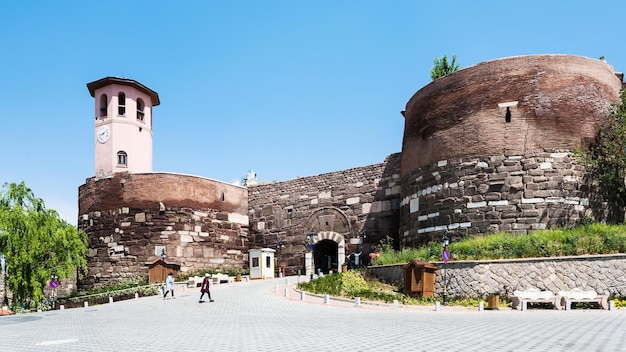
pixel 251 316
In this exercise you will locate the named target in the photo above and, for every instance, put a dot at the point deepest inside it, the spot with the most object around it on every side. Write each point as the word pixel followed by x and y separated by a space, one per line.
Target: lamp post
pixel 360 236
pixel 311 238
pixel 54 283
pixel 445 255
pixel 279 246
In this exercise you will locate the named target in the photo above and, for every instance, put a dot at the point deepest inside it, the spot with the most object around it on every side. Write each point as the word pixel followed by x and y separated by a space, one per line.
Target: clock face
pixel 103 133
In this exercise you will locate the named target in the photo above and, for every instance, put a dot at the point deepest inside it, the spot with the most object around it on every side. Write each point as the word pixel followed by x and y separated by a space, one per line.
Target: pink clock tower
pixel 123 125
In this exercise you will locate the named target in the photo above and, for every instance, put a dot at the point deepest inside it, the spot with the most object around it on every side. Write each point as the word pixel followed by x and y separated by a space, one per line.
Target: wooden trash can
pixel 493 301
pixel 419 278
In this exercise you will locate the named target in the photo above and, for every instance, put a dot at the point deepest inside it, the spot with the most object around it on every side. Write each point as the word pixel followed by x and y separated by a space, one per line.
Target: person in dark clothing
pixel 205 288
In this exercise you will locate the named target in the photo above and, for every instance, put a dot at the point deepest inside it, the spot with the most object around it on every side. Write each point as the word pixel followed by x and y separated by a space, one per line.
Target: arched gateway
pixel 329 251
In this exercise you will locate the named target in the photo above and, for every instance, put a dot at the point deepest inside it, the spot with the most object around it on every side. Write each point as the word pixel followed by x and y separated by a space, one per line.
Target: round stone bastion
pixel 134 220
pixel 490 147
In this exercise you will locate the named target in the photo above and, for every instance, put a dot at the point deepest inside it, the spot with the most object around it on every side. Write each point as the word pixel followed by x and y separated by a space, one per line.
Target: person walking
pixel 169 285
pixel 206 283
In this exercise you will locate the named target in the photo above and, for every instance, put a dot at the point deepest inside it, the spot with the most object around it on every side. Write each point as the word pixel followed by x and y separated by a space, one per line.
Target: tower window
pixel 122 158
pixel 508 105
pixel 140 107
pixel 121 104
pixel 104 103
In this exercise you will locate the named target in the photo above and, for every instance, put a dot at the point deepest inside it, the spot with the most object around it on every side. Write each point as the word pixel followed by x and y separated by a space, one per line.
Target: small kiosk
pixel 419 279
pixel 262 263
pixel 159 268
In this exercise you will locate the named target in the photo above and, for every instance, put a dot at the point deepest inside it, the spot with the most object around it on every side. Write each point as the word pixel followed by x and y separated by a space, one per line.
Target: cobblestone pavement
pixel 263 316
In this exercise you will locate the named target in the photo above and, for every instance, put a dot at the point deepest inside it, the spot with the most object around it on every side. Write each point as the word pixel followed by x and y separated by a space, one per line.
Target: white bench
pixel 520 298
pixel 578 295
pixel 222 278
pixel 195 281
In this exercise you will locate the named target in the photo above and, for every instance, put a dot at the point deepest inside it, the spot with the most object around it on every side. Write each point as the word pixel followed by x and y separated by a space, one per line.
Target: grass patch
pixel 353 284
pixel 586 239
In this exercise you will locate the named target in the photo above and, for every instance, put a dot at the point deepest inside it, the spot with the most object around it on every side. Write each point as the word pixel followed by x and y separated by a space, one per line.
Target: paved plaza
pixel 269 315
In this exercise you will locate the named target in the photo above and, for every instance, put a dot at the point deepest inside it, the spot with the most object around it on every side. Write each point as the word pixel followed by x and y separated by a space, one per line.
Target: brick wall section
pixel 146 191
pixel 555 101
pixel 367 197
pixel 606 274
pixel 201 223
pixel 512 193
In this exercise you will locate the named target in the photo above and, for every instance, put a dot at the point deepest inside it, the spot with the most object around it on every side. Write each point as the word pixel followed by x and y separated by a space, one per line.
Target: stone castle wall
pixel 344 202
pixel 131 218
pixel 512 193
pixel 489 148
pixel 508 106
pixel 606 274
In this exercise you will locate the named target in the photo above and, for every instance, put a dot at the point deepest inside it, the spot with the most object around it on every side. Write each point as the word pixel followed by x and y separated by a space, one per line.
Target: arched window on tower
pixel 122 158
pixel 121 104
pixel 140 107
pixel 104 105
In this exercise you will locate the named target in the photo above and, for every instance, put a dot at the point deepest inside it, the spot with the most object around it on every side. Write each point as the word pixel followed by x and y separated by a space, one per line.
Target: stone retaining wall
pixel 606 274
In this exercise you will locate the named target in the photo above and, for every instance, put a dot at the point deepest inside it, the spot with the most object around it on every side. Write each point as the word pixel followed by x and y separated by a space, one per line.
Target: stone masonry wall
pixel 606 274
pixel 346 202
pixel 123 242
pixel 512 193
pixel 197 221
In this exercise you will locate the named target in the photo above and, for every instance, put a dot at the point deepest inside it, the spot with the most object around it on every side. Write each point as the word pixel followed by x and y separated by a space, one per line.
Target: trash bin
pixel 344 268
pixel 493 301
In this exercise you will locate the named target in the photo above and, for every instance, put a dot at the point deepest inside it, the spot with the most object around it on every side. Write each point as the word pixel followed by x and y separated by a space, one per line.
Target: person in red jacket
pixel 205 288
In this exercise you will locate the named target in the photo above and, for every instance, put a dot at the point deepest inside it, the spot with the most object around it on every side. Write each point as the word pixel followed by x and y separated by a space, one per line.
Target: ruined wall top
pixel 161 190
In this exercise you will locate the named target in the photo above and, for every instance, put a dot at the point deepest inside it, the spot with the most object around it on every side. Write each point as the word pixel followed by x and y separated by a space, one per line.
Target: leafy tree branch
pixel 606 158
pixel 37 243
pixel 443 67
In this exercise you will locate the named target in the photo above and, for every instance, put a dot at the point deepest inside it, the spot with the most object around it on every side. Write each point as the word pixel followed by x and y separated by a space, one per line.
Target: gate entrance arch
pixel 329 251
pixel 325 256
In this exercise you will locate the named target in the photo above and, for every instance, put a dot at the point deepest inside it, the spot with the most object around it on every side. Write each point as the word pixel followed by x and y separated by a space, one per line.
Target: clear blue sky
pixel 285 88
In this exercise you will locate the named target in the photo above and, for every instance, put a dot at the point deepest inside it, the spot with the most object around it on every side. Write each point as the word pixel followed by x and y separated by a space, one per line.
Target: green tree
pixel 37 243
pixel 606 158
pixel 443 67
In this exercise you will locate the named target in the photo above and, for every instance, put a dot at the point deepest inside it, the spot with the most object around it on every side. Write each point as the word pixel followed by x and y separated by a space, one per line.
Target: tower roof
pixel 154 97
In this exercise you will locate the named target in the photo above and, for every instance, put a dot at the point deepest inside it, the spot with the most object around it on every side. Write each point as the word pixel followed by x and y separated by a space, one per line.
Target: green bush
pixel 352 283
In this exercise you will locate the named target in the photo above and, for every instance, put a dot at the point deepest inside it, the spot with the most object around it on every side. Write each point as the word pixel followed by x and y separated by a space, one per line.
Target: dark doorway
pixel 325 256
